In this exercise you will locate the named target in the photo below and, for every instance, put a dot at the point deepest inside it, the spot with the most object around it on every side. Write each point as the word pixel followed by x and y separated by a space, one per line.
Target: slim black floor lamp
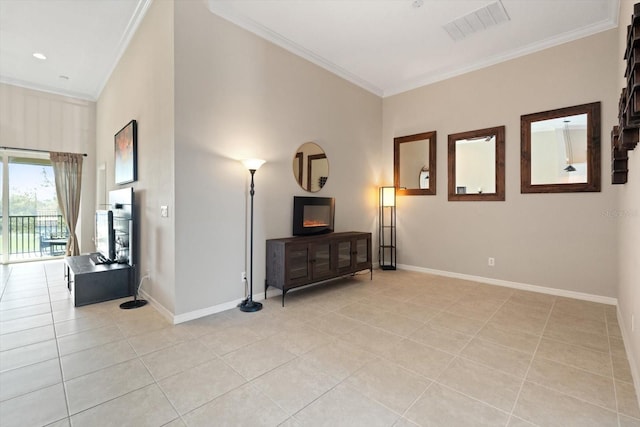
pixel 249 304
pixel 387 232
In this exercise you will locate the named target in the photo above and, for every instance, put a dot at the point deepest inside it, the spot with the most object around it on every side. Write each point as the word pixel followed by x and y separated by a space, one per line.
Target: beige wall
pixel 562 241
pixel 627 218
pixel 239 96
pixel 141 88
pixel 45 121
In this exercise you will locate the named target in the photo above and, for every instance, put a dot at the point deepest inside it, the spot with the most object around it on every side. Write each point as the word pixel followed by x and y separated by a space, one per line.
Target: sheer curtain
pixel 67 168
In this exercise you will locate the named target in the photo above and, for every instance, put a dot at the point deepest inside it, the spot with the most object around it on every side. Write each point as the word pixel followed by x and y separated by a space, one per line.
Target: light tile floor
pixel 404 349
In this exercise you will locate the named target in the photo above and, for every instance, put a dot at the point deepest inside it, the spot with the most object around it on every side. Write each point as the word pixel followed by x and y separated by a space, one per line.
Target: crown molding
pixel 226 12
pixel 567 37
pixel 47 89
pixel 261 31
pixel 125 39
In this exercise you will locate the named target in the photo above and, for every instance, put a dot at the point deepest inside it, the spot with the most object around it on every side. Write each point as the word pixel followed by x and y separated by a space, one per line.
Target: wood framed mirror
pixel 414 164
pixel 476 165
pixel 310 167
pixel 560 150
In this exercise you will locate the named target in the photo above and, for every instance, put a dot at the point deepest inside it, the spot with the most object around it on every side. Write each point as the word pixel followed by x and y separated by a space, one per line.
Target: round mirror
pixel 311 167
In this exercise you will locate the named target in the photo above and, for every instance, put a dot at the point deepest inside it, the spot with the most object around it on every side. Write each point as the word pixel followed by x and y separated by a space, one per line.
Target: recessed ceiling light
pixel 417 3
pixel 39 55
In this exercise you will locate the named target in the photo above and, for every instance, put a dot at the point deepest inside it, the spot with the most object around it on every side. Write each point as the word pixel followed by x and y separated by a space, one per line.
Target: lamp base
pixel 136 303
pixel 250 306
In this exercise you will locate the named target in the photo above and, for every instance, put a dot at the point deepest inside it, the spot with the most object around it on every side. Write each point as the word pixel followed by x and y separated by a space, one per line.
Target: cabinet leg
pixel 371 273
pixel 283 294
pixel 67 276
pixel 266 285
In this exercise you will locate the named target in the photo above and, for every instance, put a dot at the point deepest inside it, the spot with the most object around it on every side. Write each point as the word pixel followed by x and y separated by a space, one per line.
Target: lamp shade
pixel 253 164
pixel 387 196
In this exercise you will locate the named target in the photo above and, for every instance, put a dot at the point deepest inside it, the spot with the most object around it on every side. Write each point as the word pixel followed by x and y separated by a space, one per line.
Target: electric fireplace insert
pixel 313 215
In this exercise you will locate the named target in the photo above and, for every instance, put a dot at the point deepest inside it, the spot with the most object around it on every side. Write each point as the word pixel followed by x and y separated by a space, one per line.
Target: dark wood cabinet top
pixel 315 237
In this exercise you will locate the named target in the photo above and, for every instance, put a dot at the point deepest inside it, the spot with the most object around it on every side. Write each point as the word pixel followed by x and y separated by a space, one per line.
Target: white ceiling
pixel 384 46
pixel 82 40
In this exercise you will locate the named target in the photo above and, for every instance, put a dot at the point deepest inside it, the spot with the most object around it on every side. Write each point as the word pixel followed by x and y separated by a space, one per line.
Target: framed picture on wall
pixel 126 153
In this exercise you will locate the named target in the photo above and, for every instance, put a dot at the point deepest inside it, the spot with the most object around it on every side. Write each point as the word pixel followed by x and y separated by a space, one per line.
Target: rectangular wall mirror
pixel 561 150
pixel 476 165
pixel 414 164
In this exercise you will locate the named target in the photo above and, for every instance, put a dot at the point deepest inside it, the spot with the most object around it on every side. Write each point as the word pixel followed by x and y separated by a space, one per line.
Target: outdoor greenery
pixel 19 246
pixel 31 201
pixel 33 209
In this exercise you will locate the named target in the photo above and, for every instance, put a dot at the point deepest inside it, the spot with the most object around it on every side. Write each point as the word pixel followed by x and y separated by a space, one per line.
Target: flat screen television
pixel 105 234
pixel 121 202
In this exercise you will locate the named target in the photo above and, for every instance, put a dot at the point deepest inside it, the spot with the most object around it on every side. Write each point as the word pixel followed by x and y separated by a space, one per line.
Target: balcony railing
pixel 36 236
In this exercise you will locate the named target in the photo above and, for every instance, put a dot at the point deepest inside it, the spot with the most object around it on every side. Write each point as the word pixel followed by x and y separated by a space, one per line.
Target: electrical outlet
pixel 491 262
pixel 164 211
pixel 243 276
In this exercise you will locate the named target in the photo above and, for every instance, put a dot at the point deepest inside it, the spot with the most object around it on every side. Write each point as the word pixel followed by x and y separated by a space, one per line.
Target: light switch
pixel 164 211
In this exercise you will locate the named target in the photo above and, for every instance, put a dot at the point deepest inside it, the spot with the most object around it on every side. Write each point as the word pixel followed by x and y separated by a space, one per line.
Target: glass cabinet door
pixel 298 263
pixel 344 255
pixel 363 252
pixel 322 260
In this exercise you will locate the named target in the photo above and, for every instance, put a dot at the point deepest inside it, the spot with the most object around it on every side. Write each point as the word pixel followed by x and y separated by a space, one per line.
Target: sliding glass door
pixel 32 227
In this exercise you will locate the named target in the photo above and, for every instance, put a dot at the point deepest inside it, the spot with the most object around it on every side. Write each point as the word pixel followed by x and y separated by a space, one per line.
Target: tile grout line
pixel 247 381
pixel 6 281
pixel 573 397
pixel 361 300
pixel 613 376
pixel 533 356
pixel 53 324
pixel 458 356
pixel 455 357
pixel 57 348
pixel 155 381
pixel 137 357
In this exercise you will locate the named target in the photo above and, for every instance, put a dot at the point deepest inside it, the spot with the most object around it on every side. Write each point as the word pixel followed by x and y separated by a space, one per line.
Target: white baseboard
pixel 515 285
pixel 196 314
pixel 272 292
pixel 631 356
pixel 155 304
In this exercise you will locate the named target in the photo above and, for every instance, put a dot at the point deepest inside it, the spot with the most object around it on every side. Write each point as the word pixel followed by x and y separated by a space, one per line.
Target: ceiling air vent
pixel 476 21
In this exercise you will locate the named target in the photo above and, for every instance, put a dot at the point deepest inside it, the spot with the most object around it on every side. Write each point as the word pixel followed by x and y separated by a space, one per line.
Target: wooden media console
pixel 298 261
